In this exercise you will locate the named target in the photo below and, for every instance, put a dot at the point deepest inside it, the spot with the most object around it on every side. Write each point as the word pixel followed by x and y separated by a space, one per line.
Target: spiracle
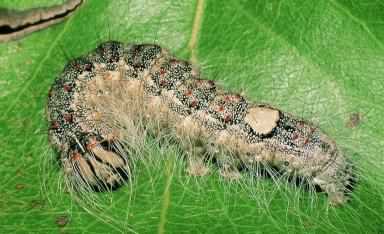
pixel 103 101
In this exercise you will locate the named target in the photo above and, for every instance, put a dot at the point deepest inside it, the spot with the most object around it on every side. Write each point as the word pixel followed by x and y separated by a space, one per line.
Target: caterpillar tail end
pixel 337 182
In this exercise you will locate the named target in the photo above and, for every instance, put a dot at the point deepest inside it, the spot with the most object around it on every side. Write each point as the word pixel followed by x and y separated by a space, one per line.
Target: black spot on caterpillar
pixel 102 102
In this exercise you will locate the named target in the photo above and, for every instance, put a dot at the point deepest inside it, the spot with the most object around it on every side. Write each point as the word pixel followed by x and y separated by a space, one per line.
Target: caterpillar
pixel 105 100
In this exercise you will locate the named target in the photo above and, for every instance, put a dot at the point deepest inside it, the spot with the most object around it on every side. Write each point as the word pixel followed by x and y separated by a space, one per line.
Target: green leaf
pixel 320 60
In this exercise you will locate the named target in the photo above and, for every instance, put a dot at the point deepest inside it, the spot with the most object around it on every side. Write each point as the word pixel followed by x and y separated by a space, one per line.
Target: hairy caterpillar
pixel 163 95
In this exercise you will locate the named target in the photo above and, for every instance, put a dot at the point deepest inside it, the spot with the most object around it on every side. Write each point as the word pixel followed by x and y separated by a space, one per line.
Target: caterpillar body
pixel 103 101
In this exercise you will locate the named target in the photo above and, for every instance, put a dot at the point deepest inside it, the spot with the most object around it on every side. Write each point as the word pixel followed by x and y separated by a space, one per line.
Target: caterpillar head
pixel 92 164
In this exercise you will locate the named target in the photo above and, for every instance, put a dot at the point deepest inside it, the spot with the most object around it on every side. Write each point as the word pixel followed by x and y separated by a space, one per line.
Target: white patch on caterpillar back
pixel 262 119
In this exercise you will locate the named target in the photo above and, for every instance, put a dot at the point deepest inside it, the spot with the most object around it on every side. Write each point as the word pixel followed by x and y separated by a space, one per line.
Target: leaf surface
pixel 320 60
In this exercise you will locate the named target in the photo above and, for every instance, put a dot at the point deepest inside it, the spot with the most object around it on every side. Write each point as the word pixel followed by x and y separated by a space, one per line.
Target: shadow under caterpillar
pixel 103 102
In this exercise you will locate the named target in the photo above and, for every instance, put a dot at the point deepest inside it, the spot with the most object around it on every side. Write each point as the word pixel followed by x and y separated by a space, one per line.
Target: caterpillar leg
pixel 229 172
pixel 225 160
pixel 197 167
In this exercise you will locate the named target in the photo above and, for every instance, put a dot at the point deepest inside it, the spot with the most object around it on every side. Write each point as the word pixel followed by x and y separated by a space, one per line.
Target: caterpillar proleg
pixel 103 101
